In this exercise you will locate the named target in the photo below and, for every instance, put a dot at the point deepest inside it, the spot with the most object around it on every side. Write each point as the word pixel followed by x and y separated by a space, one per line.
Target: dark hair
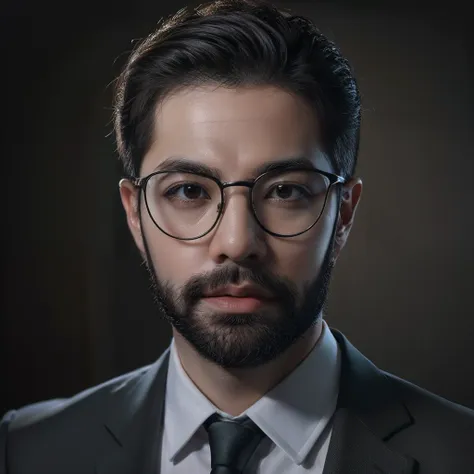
pixel 236 43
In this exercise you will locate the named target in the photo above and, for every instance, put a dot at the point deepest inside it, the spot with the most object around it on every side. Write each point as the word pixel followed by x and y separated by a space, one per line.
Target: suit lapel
pixel 134 423
pixel 355 449
pixel 368 414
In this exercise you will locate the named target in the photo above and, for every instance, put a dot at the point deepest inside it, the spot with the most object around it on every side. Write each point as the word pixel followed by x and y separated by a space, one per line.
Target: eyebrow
pixel 186 165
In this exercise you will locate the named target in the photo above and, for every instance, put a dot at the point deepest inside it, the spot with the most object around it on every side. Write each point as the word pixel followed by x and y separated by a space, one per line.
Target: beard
pixel 233 340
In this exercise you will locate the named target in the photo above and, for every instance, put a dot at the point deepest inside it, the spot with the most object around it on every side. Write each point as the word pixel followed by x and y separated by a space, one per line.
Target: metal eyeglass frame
pixel 141 183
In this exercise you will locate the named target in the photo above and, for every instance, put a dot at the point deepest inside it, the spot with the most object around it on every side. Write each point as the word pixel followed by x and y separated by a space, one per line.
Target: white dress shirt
pixel 296 415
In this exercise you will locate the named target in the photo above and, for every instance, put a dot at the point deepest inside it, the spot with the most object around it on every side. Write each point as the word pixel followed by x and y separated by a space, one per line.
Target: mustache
pixel 280 288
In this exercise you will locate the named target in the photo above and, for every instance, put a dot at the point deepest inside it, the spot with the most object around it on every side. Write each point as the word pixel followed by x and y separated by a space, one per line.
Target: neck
pixel 235 390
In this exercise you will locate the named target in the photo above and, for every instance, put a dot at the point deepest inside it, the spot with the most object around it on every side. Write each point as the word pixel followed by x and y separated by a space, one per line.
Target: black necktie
pixel 232 443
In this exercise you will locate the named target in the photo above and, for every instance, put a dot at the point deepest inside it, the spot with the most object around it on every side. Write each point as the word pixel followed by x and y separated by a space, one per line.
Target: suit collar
pixel 369 413
pixel 366 391
pixel 133 420
pixel 356 449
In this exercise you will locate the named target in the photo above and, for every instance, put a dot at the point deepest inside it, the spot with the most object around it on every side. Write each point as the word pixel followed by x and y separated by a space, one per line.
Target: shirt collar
pixel 296 411
pixel 186 408
pixel 293 414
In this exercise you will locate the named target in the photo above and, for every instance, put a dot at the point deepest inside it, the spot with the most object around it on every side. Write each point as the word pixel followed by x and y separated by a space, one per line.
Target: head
pixel 241 124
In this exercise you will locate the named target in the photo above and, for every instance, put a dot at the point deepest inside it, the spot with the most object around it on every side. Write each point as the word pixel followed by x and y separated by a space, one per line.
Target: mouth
pixel 238 300
pixel 244 304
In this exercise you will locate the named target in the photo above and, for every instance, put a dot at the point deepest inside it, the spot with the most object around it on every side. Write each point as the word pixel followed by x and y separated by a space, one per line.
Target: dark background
pixel 76 308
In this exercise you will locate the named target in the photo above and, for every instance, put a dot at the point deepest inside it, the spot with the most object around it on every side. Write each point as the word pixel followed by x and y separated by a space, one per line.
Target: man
pixel 238 127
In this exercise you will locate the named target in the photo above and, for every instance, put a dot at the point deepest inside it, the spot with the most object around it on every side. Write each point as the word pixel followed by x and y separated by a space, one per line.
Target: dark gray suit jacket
pixel 382 425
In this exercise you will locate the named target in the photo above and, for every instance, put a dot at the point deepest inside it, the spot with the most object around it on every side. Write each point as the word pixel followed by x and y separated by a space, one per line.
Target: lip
pixel 233 304
pixel 246 291
pixel 243 299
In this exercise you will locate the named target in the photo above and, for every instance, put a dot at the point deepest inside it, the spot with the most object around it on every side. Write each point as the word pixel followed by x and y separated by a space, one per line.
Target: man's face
pixel 282 281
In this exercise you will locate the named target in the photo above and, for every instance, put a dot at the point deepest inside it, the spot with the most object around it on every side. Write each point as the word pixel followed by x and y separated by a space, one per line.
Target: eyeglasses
pixel 187 206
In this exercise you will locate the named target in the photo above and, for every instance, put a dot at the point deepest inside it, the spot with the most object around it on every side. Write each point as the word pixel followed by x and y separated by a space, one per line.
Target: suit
pixel 382 424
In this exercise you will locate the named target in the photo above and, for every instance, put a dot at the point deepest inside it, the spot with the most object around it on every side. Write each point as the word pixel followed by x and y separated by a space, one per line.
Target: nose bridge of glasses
pixel 236 184
pixel 237 212
pixel 230 184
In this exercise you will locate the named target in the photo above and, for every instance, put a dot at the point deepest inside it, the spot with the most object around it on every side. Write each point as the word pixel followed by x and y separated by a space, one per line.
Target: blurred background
pixel 76 308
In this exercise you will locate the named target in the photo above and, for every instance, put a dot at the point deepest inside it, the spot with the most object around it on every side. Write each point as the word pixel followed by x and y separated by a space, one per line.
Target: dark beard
pixel 234 340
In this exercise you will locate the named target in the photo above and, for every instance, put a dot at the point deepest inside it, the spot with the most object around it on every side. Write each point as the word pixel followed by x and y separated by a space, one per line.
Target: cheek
pixel 301 258
pixel 174 261
pixel 300 262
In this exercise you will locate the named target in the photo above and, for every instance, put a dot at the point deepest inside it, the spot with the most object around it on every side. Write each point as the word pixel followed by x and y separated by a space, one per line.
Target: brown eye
pixel 187 191
pixel 287 192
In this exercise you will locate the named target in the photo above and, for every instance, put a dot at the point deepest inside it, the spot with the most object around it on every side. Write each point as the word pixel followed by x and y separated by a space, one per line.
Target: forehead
pixel 234 130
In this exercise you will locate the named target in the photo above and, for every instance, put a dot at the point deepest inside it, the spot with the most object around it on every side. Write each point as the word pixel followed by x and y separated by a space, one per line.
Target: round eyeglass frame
pixel 141 183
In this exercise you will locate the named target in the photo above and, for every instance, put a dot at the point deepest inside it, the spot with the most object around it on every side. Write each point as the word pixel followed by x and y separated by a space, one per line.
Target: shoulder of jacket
pixel 42 411
pixel 426 406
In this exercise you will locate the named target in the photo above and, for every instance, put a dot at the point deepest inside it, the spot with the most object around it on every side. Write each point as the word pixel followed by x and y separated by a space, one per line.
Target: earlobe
pixel 339 238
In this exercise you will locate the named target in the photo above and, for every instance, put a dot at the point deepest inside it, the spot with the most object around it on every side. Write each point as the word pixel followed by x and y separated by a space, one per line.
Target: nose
pixel 238 237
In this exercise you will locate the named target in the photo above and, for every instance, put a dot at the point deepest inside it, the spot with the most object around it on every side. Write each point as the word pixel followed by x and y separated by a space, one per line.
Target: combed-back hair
pixel 238 43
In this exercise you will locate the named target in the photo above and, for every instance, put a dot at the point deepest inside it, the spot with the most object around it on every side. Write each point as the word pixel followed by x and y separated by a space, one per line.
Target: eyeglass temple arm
pixel 137 182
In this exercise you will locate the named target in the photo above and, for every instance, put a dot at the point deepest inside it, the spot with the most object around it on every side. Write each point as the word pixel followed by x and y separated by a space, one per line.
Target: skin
pixel 236 130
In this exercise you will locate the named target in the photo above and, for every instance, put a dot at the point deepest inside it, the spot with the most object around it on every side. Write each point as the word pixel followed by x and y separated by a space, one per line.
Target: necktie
pixel 232 443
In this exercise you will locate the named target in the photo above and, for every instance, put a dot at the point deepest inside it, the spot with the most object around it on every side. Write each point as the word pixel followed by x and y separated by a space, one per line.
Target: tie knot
pixel 232 443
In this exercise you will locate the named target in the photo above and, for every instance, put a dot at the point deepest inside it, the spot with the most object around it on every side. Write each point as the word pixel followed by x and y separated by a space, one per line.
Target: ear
pixel 129 197
pixel 351 193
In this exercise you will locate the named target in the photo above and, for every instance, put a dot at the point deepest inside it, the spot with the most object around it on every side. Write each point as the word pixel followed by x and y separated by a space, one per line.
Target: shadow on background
pixel 76 307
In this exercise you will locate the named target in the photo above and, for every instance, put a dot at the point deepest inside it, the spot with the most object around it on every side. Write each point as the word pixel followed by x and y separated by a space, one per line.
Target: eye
pixel 288 192
pixel 187 192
